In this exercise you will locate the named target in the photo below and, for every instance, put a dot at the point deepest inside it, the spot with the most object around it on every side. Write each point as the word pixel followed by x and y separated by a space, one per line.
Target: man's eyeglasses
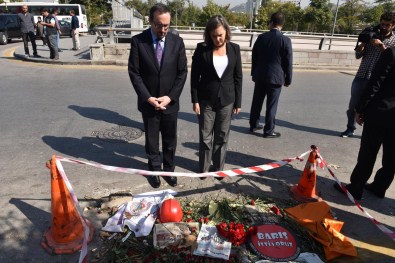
pixel 160 26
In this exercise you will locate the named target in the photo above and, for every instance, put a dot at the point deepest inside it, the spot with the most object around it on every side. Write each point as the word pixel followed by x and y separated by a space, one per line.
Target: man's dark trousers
pixel 32 37
pixel 375 133
pixel 272 92
pixel 166 124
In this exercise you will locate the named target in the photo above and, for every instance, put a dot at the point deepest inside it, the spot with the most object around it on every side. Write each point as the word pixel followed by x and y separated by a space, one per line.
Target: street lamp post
pixel 334 24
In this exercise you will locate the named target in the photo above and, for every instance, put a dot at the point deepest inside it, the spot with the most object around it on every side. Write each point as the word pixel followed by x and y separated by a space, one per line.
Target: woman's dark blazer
pixel 206 85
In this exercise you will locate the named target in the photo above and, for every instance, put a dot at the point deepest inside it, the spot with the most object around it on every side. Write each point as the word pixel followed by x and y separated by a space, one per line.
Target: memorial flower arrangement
pixel 234 219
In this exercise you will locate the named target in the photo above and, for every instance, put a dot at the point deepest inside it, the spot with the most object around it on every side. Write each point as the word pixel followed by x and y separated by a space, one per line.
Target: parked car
pixel 65 28
pixel 9 28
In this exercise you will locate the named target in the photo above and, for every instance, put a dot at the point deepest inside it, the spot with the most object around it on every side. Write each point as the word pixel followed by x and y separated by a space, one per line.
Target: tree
pixel 292 13
pixel 238 19
pixel 388 5
pixel 349 16
pixel 372 15
pixel 293 16
pixel 318 15
pixel 177 9
pixel 212 9
pixel 191 14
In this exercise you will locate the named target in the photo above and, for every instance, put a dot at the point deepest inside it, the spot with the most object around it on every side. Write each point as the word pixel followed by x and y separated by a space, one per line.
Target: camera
pixel 369 33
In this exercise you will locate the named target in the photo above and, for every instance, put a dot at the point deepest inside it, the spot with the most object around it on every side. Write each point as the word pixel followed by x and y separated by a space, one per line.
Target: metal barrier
pixel 244 39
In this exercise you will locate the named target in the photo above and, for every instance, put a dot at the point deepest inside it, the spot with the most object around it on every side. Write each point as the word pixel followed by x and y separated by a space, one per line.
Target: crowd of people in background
pixel 48 29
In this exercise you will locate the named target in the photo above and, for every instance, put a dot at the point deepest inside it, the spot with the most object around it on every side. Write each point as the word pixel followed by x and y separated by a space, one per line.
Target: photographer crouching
pixel 371 43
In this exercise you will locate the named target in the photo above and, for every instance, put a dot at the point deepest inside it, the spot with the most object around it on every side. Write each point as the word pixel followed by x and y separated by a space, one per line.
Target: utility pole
pixel 334 24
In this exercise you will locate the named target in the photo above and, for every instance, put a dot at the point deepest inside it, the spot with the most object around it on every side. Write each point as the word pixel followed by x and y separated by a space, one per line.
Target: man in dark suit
pixel 158 71
pixel 376 111
pixel 271 68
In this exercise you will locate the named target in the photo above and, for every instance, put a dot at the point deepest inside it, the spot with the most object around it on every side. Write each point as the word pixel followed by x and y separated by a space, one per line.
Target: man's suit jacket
pixel 272 58
pixel 378 101
pixel 150 79
pixel 205 82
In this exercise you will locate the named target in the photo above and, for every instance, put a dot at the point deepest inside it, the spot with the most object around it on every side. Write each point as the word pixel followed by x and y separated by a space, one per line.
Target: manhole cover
pixel 119 134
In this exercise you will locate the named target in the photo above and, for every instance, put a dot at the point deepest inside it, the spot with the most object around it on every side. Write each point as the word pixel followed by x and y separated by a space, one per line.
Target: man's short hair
pixel 277 19
pixel 44 10
pixel 72 11
pixel 388 16
pixel 159 7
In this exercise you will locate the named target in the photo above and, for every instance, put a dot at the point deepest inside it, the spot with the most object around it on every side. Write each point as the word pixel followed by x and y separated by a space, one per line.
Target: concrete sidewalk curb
pixel 124 63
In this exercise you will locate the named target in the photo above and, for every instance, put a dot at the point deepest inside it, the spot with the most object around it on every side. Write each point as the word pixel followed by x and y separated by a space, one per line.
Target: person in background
pixel 370 53
pixel 216 90
pixel 158 71
pixel 26 20
pixel 40 31
pixel 75 24
pixel 50 32
pixel 375 110
pixel 59 32
pixel 271 69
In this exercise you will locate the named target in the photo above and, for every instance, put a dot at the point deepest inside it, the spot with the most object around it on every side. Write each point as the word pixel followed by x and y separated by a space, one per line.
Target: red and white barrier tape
pixel 235 172
pixel 384 229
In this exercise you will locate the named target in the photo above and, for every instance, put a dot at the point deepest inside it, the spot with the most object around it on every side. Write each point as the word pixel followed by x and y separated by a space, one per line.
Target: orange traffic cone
pixel 66 233
pixel 305 190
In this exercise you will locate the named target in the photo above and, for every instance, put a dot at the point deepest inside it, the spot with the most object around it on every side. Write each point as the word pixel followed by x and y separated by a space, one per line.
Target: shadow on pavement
pixel 106 115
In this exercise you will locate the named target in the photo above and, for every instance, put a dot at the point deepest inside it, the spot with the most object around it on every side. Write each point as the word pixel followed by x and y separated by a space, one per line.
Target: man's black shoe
pixel 272 135
pixel 371 188
pixel 171 180
pixel 154 181
pixel 338 188
pixel 347 133
pixel 256 128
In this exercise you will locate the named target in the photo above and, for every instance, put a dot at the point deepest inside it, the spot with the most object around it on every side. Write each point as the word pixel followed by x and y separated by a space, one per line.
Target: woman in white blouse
pixel 216 85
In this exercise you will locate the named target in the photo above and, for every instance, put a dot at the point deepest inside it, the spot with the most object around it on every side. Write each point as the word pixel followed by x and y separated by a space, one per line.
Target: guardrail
pixel 244 39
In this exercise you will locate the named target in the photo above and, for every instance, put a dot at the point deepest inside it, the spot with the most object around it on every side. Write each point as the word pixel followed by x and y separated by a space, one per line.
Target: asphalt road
pixel 49 109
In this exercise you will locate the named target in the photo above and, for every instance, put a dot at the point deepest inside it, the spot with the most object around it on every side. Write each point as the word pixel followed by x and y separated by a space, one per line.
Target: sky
pixel 233 3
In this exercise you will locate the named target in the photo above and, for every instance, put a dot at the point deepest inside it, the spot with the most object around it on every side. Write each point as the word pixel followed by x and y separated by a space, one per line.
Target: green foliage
pixel 350 13
pixel 318 16
pixel 212 9
pixel 371 15
pixel 388 5
pixel 353 15
pixel 293 15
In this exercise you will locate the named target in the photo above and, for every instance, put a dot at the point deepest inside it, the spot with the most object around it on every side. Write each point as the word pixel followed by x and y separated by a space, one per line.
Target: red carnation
pixel 275 210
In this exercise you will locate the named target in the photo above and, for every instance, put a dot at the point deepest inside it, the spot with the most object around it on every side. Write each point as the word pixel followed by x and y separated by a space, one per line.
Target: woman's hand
pixel 236 111
pixel 196 108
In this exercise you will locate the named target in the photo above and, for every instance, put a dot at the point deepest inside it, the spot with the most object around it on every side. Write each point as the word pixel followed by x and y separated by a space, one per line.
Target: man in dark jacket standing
pixel 271 68
pixel 376 111
pixel 75 34
pixel 26 20
pixel 158 71
pixel 50 33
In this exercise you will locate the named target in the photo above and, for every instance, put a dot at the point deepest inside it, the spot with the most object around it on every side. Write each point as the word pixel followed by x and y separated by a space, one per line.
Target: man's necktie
pixel 159 51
